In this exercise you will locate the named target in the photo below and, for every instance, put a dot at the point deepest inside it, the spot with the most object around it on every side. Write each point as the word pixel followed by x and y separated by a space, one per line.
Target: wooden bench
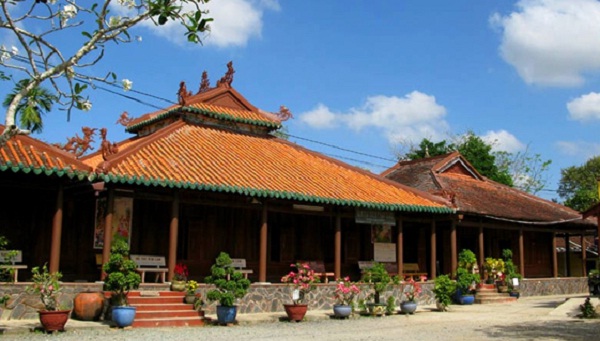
pixel 12 257
pixel 410 269
pixel 239 264
pixel 319 268
pixel 150 263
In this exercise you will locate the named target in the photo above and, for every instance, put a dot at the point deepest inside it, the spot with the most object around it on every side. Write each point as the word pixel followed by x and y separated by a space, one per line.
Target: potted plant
pixel 345 291
pixel 379 280
pixel 443 289
pixel 494 268
pixel 121 277
pixel 190 291
pixel 411 290
pixel 229 286
pixel 511 273
pixel 47 285
pixel 466 278
pixel 594 282
pixel 303 280
pixel 180 274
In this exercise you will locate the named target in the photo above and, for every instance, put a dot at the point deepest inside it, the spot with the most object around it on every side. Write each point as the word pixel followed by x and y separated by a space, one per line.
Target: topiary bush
pixel 230 284
pixel 444 289
pixel 121 275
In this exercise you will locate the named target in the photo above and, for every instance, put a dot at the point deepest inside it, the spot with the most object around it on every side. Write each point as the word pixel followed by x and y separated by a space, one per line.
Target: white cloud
pixel 584 150
pixel 320 117
pixel 235 22
pixel 412 117
pixel 502 140
pixel 585 107
pixel 551 42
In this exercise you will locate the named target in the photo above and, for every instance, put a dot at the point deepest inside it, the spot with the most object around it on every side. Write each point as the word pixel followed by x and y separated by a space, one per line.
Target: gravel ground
pixel 534 318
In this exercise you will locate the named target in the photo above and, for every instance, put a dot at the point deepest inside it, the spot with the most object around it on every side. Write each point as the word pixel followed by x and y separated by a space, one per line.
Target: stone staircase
pixel 163 309
pixel 487 293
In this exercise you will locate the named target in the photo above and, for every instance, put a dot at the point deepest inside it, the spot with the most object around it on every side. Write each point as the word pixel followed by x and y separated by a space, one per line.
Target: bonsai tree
pixel 444 289
pixel 230 284
pixel 510 269
pixel 379 279
pixel 466 279
pixel 121 276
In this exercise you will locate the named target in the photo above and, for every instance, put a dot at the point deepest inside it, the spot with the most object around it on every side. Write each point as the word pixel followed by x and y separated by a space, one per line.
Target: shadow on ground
pixel 571 330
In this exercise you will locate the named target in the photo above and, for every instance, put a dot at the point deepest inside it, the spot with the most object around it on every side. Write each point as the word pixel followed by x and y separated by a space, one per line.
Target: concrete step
pixel 164 309
pixel 490 300
pixel 171 322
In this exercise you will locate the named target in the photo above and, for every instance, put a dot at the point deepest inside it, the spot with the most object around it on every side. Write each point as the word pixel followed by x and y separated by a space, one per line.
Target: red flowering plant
pixel 181 272
pixel 346 291
pixel 412 289
pixel 303 279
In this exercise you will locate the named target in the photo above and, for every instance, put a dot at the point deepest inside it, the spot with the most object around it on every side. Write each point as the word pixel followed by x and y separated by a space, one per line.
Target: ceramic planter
pixel 342 311
pixel 177 285
pixel 87 306
pixel 123 316
pixel 54 320
pixel 189 299
pixel 295 312
pixel 226 314
pixel 376 309
pixel 408 307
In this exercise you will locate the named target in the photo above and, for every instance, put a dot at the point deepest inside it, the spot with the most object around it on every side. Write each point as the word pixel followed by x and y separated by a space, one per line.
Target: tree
pixel 578 185
pixel 40 27
pixel 428 148
pixel 36 102
pixel 528 171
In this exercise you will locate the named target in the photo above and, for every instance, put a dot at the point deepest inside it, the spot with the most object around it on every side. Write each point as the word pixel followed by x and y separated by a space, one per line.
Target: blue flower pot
pixel 226 315
pixel 467 299
pixel 123 316
pixel 408 307
pixel 342 310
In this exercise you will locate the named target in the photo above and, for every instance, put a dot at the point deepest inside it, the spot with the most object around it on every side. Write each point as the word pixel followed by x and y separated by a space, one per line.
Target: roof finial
pixel 124 119
pixel 182 94
pixel 106 147
pixel 228 78
pixel 204 83
pixel 284 113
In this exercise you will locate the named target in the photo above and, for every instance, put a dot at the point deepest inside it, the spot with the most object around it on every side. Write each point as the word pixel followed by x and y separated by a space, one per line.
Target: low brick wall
pixel 267 297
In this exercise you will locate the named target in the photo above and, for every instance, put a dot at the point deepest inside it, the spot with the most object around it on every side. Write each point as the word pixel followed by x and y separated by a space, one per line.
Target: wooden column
pixel 568 255
pixel 521 253
pixel 433 273
pixel 262 262
pixel 481 259
pixel 338 247
pixel 108 217
pixel 554 256
pixel 56 231
pixel 583 257
pixel 400 248
pixel 453 247
pixel 173 235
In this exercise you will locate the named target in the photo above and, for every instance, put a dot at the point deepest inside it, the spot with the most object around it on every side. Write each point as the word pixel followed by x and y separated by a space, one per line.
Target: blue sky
pixel 372 76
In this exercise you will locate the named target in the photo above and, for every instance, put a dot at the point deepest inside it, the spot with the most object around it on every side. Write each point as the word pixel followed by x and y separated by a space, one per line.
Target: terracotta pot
pixel 177 285
pixel 87 306
pixel 54 320
pixel 295 312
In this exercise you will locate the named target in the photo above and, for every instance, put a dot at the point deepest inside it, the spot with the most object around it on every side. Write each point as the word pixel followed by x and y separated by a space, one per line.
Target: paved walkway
pixel 553 309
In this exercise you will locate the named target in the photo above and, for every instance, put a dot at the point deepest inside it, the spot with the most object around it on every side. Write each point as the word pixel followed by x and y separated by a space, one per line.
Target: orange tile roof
pixel 26 154
pixel 475 194
pixel 208 158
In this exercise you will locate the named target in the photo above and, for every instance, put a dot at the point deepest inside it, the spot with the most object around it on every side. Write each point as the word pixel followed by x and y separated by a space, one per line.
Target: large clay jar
pixel 87 306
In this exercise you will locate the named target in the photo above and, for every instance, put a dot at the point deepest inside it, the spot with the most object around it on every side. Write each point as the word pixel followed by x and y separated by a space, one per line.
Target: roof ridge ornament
pixel 79 145
pixel 124 119
pixel 106 146
pixel 183 93
pixel 204 83
pixel 228 78
pixel 284 113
